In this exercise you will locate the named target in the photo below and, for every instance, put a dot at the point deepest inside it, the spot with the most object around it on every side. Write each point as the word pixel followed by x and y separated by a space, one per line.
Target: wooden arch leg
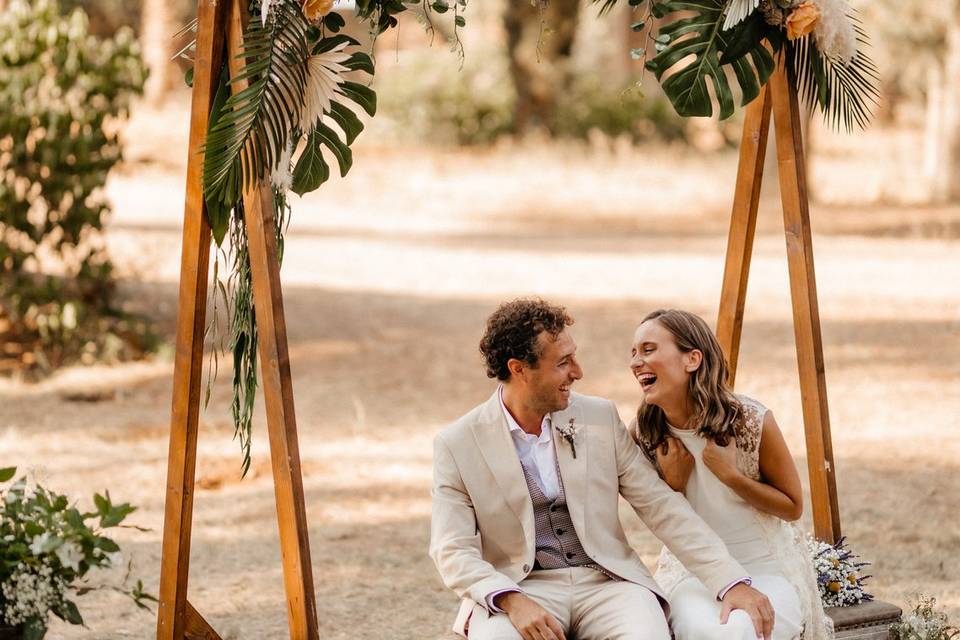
pixel 780 97
pixel 172 618
pixel 743 225
pixel 806 312
pixel 219 28
pixel 276 381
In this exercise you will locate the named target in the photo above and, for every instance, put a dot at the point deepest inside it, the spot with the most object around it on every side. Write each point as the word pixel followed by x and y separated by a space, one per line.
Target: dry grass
pixel 389 276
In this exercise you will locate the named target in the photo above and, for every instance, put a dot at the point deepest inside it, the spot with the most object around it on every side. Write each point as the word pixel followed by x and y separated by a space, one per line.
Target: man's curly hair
pixel 512 332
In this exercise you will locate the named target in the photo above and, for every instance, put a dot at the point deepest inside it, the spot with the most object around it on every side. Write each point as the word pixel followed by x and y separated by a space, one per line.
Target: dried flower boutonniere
pixel 569 433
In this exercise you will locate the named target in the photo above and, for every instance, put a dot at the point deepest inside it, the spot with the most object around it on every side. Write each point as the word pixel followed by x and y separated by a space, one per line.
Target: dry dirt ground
pixel 389 275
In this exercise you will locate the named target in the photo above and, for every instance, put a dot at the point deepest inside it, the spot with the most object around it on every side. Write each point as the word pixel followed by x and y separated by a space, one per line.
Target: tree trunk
pixel 158 27
pixel 933 145
pixel 951 107
pixel 539 43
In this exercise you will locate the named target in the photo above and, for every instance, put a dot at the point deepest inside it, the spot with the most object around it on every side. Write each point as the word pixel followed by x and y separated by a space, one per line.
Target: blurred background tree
pixel 918 46
pixel 540 37
pixel 62 93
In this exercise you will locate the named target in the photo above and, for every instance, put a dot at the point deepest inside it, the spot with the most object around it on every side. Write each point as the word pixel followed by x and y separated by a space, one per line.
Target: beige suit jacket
pixel 482 530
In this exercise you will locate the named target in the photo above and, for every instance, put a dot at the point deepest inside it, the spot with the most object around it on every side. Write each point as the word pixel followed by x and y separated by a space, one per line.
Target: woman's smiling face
pixel 661 368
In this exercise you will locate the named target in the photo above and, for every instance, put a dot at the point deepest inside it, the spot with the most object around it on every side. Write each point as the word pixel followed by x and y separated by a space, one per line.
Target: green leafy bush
pixel 426 97
pixel 591 106
pixel 62 93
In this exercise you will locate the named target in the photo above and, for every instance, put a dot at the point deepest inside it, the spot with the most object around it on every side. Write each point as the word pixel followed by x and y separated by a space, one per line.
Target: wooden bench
pixel 867 621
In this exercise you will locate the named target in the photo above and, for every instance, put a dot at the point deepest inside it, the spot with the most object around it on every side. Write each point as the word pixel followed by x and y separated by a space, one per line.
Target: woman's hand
pixel 675 463
pixel 722 461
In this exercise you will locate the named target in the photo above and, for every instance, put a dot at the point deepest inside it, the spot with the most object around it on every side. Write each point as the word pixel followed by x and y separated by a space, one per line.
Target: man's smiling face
pixel 557 369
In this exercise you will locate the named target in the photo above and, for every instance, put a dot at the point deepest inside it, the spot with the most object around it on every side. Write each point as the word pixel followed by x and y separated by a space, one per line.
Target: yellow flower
pixel 834 586
pixel 852 578
pixel 802 20
pixel 316 9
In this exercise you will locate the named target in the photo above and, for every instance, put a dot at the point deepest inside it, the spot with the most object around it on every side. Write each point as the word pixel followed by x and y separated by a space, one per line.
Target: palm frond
pixel 607 5
pixel 846 93
pixel 250 133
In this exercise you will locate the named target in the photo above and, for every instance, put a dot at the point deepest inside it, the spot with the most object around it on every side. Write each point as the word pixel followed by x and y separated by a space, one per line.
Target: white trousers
pixel 695 612
pixel 586 603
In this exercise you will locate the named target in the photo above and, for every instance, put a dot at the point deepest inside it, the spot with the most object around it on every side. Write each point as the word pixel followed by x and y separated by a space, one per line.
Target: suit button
pixel 560 532
pixel 569 555
pixel 526 568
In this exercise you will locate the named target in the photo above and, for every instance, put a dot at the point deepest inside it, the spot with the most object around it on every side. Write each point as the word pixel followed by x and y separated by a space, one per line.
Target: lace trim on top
pixel 784 539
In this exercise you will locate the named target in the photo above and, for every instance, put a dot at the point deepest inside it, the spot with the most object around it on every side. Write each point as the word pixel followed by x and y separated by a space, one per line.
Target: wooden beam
pixel 743 224
pixel 191 316
pixel 806 313
pixel 277 385
pixel 197 628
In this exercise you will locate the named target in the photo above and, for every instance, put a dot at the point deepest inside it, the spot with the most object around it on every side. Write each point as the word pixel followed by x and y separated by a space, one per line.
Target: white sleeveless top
pixel 729 515
pixel 762 543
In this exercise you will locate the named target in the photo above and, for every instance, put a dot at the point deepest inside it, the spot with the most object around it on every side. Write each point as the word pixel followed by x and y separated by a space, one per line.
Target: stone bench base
pixel 867 621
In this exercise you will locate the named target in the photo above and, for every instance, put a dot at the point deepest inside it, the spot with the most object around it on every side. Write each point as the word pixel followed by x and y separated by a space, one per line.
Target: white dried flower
pixel 834 33
pixel 281 178
pixel 264 11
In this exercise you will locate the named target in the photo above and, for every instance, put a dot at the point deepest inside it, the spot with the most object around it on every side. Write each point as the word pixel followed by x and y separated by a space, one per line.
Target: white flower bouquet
pixel 47 547
pixel 924 623
pixel 839 574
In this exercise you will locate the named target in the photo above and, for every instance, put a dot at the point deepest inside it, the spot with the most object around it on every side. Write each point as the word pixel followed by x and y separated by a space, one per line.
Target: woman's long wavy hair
pixel 714 407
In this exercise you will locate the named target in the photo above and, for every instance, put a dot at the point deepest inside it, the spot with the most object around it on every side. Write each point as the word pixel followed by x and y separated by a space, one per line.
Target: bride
pixel 725 452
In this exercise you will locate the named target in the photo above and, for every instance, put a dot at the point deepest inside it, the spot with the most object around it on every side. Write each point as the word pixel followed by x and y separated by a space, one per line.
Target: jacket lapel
pixel 496 445
pixel 573 471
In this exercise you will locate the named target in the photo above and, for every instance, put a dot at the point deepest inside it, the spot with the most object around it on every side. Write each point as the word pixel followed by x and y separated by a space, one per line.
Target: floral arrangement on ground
pixel 48 549
pixel 924 622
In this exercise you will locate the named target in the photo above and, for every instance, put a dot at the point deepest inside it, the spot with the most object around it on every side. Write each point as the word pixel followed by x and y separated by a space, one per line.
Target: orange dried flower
pixel 316 9
pixel 802 20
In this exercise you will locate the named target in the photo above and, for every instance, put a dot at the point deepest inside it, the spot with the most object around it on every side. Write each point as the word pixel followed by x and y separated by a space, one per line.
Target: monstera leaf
pixel 695 47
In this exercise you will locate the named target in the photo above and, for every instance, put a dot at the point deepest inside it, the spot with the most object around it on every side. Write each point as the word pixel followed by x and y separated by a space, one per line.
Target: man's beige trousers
pixel 586 603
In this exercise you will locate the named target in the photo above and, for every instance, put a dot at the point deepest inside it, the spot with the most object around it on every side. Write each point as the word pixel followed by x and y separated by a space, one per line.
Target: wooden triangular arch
pixel 779 95
pixel 219 38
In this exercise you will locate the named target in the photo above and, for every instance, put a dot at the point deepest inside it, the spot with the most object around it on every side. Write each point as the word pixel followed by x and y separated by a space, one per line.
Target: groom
pixel 525 494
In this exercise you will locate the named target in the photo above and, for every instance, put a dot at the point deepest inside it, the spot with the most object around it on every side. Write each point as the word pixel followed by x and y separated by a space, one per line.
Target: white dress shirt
pixel 536 452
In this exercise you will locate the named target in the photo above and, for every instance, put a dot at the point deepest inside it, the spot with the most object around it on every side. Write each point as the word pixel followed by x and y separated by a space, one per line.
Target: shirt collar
pixel 515 427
